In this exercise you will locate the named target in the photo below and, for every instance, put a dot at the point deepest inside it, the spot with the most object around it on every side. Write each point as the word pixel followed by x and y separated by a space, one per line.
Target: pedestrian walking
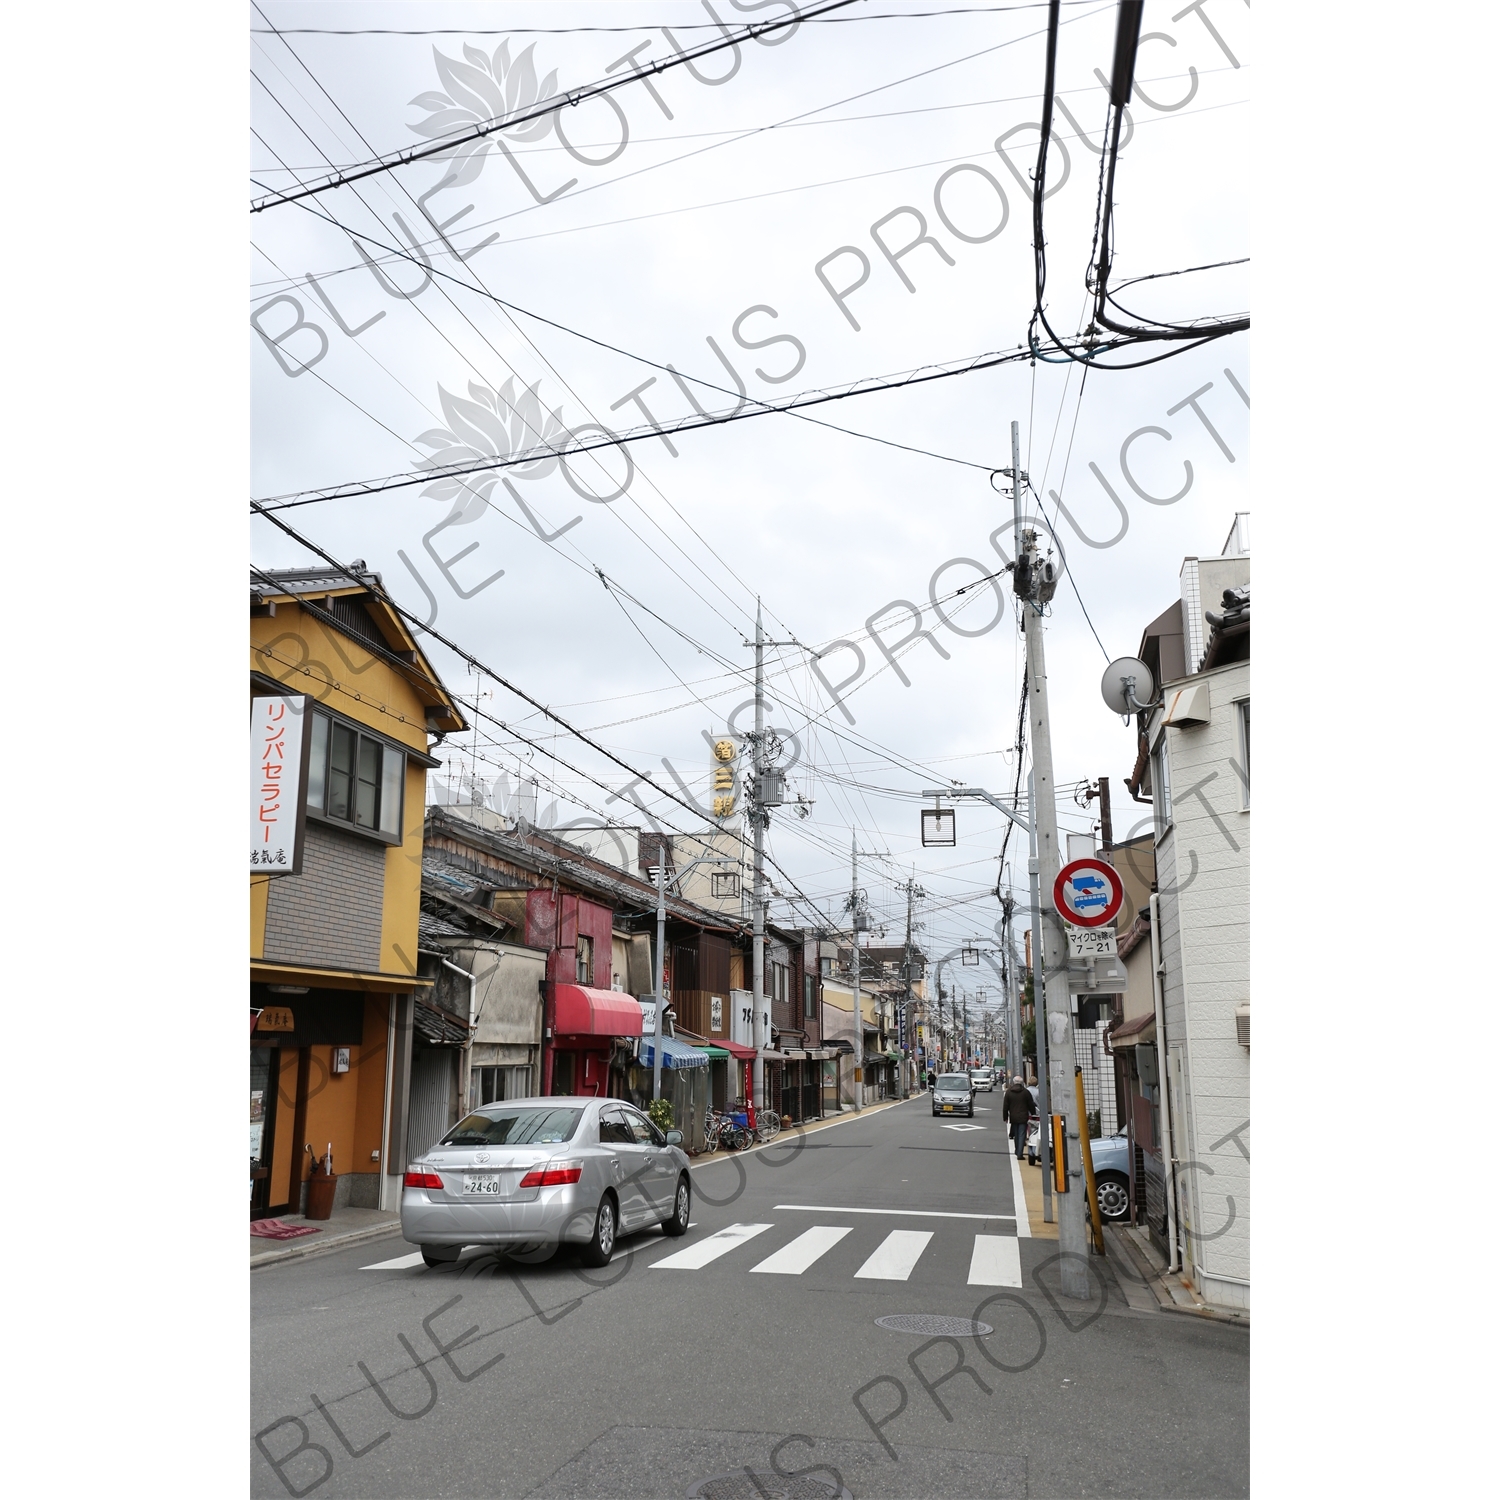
pixel 1016 1109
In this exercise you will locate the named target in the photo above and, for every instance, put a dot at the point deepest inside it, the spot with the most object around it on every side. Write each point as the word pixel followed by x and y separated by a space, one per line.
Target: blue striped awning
pixel 674 1054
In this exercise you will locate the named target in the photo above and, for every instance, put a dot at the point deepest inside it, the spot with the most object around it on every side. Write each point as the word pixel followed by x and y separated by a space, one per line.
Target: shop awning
pixel 674 1054
pixel 716 1053
pixel 580 1011
pixel 736 1049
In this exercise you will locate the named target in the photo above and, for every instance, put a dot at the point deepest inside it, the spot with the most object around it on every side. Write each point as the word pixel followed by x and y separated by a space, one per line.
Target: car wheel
pixel 682 1210
pixel 440 1255
pixel 601 1247
pixel 1113 1191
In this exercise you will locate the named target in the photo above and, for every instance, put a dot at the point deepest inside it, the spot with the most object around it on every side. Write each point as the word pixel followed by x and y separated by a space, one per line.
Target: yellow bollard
pixel 1095 1222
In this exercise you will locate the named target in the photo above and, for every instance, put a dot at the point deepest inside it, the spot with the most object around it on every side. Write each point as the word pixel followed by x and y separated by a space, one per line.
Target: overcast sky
pixel 728 205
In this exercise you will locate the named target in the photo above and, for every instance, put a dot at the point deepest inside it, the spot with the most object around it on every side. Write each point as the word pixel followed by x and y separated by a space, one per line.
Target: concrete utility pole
pixel 1012 1000
pixel 859 1035
pixel 913 892
pixel 1044 1155
pixel 1034 584
pixel 758 818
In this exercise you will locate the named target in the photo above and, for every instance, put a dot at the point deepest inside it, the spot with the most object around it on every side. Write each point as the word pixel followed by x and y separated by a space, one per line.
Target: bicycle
pixel 767 1125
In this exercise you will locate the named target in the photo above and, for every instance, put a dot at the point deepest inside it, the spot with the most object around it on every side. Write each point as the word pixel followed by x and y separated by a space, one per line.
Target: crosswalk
pixel 995 1259
pixel 898 1254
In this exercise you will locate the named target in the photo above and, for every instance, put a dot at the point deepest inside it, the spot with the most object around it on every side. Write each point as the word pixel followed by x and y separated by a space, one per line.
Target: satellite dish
pixel 1113 685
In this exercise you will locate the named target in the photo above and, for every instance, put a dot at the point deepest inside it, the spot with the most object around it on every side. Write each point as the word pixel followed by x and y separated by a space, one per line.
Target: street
pixel 746 1359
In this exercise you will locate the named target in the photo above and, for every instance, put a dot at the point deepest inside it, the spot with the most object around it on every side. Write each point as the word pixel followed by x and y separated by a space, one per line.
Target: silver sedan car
pixel 529 1173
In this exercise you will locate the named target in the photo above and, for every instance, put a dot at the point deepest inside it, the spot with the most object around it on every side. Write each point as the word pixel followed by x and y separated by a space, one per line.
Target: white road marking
pixel 401 1263
pixel 695 1257
pixel 908 1213
pixel 965 1127
pixel 896 1256
pixel 996 1261
pixel 795 1258
pixel 1023 1220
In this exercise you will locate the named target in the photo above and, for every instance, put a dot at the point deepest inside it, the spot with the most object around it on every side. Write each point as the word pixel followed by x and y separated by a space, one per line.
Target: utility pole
pixel 859 1035
pixel 1039 1017
pixel 1012 1002
pixel 1034 583
pixel 758 818
pixel 762 798
pixel 913 891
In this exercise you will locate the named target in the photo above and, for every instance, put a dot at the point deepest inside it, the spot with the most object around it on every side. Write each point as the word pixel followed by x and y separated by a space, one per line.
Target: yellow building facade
pixel 334 993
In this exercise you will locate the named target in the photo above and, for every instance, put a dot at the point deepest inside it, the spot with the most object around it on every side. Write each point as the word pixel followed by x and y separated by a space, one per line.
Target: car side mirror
pixel 674 1137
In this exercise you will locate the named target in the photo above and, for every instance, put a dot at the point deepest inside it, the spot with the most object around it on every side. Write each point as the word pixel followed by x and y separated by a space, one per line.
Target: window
pixel 1244 716
pixel 1161 787
pixel 515 1127
pixel 355 778
pixel 585 960
pixel 643 1131
pixel 809 995
pixel 613 1131
pixel 781 983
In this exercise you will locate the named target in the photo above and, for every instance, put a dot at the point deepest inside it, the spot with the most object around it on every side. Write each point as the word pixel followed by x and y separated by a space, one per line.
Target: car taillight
pixel 423 1180
pixel 551 1177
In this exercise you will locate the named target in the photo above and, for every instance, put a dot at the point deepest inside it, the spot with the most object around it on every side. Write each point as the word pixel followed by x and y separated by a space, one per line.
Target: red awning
pixel 585 1012
pixel 734 1049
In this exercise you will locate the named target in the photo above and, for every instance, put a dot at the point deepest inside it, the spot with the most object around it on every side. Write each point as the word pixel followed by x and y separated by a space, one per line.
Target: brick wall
pixel 329 914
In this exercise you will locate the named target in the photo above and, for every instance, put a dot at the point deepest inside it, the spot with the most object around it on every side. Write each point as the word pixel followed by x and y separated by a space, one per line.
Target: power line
pixel 920 376
pixel 573 97
pixel 505 364
pixel 900 15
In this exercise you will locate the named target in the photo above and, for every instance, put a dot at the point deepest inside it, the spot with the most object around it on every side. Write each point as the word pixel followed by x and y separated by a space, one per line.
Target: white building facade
pixel 1198 775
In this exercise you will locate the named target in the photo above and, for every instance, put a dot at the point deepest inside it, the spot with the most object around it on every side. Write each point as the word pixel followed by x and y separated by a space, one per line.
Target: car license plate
pixel 485 1186
pixel 947 1109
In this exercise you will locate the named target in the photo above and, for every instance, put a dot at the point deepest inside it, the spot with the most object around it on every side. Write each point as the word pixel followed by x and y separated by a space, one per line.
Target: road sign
pixel 1092 942
pixel 1088 892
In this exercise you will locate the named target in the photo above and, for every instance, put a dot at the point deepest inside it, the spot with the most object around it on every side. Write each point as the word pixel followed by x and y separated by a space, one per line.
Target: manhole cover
pixel 766 1484
pixel 933 1325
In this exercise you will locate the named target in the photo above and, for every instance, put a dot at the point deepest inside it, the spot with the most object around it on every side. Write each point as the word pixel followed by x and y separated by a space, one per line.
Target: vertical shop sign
pixel 279 745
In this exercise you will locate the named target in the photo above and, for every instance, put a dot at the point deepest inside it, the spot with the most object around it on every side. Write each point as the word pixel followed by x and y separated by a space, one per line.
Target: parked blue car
pixel 1111 1155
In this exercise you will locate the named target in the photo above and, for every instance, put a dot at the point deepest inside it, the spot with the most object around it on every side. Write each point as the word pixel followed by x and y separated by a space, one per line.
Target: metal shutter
pixel 431 1110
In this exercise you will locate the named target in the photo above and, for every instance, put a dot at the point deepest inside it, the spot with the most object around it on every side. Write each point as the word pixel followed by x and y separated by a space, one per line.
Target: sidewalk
pixel 1173 1293
pixel 1031 1180
pixel 348 1226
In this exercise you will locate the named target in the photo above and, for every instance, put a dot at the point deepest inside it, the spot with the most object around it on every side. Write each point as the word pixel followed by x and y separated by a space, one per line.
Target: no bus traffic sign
pixel 1088 892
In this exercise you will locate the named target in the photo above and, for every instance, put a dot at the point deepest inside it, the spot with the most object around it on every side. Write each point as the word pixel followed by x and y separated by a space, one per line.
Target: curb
pixel 786 1137
pixel 302 1249
pixel 1165 1301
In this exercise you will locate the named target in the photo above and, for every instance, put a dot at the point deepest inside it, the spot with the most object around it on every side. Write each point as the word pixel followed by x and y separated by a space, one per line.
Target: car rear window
pixel 953 1081
pixel 538 1126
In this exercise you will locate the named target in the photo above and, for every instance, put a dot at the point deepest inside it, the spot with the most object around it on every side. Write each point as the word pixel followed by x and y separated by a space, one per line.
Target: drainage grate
pixel 764 1484
pixel 933 1325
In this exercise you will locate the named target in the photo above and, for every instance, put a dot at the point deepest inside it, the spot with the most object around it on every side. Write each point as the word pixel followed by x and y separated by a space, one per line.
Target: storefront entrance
pixel 265 1066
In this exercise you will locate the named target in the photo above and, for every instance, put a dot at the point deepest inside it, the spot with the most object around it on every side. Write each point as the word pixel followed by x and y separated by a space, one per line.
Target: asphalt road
pixel 763 1371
